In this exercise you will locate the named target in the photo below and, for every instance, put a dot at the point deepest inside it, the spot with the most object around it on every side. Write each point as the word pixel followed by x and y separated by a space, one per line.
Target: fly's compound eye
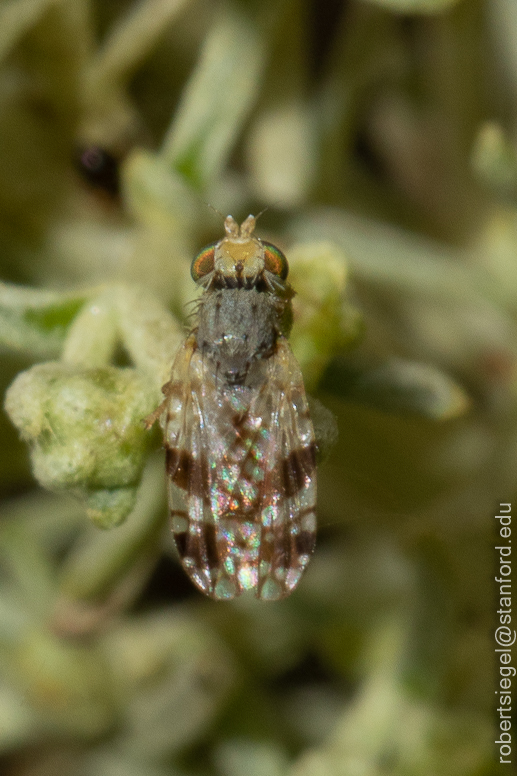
pixel 203 264
pixel 275 261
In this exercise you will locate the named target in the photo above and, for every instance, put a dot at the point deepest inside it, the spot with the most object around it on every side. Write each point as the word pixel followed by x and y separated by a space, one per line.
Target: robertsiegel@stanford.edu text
pixel 504 634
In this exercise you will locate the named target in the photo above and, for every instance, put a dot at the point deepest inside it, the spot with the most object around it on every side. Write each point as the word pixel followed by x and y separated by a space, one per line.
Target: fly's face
pixel 239 257
pixel 240 260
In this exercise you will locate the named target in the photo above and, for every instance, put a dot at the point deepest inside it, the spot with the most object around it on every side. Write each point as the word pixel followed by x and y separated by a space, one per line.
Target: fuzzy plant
pixel 380 137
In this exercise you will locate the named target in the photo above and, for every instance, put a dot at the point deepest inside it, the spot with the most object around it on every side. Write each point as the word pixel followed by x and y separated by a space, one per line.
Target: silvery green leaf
pixel 174 674
pixel 414 6
pixel 217 98
pixel 324 320
pixel 397 386
pixel 17 16
pixel 36 322
pixel 494 160
pixel 254 758
pixel 405 262
pixel 100 559
pixel 21 551
pixel 18 721
pixel 150 334
pixel 130 41
pixel 68 685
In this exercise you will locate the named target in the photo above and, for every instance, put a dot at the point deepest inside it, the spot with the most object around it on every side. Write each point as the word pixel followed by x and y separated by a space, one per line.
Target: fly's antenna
pixel 261 212
pixel 208 204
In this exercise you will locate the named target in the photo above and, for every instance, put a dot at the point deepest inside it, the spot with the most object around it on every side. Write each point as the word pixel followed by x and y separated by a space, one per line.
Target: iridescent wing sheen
pixel 241 466
pixel 288 509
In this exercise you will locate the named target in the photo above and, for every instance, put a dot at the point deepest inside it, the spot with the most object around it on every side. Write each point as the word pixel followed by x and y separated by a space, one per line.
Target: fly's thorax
pixel 237 328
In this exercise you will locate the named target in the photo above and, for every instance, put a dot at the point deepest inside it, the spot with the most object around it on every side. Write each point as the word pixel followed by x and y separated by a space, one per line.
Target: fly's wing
pixel 288 503
pixel 187 442
pixel 242 476
pixel 212 508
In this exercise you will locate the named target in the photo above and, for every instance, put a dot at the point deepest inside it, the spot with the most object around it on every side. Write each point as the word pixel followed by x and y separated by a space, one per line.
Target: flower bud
pixel 85 430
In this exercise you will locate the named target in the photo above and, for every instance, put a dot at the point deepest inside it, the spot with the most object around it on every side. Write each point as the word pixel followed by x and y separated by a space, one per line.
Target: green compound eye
pixel 275 261
pixel 203 263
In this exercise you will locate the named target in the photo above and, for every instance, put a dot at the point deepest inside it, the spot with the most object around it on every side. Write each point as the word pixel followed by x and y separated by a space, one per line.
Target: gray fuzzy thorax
pixel 237 328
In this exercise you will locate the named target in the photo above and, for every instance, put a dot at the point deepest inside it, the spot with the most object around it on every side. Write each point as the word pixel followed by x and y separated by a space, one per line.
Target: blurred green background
pixel 381 135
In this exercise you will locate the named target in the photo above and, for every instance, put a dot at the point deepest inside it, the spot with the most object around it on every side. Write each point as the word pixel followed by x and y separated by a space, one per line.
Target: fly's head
pixel 241 260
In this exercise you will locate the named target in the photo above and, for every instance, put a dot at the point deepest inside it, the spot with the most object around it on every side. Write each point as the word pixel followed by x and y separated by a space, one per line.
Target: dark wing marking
pixel 288 510
pixel 242 475
pixel 198 435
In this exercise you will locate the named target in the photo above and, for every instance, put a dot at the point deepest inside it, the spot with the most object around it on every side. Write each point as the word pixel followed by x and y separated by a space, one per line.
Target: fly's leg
pixel 151 419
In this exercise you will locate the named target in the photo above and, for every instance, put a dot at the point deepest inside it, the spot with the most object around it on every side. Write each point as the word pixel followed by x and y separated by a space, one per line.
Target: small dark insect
pixel 238 435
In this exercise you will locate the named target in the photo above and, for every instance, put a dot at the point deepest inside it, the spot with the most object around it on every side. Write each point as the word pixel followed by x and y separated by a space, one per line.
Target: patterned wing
pixel 241 466
pixel 191 405
pixel 288 507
